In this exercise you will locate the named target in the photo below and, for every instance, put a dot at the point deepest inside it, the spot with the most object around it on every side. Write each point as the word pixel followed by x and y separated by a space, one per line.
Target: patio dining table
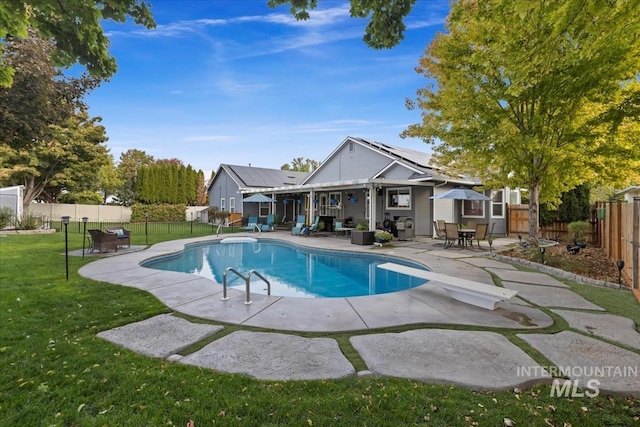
pixel 466 235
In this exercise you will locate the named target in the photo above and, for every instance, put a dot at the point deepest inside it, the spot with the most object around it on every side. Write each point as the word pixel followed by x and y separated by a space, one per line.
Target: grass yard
pixel 54 371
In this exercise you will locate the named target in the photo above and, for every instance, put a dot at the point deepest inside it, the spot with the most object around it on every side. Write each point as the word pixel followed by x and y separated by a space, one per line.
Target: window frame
pixel 472 214
pixel 232 204
pixel 264 208
pixel 390 192
pixel 223 203
pixel 500 203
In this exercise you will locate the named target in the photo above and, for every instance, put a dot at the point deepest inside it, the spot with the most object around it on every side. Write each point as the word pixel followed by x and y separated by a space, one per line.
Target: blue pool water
pixel 292 270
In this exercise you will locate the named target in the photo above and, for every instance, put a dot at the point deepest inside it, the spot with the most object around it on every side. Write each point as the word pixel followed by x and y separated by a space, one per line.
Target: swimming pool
pixel 292 270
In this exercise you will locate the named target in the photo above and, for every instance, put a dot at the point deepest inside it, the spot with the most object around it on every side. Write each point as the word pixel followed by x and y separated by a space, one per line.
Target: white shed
pixel 629 193
pixel 12 198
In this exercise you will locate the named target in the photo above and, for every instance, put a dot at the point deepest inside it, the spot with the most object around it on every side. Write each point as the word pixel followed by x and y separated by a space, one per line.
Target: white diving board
pixel 239 239
pixel 468 291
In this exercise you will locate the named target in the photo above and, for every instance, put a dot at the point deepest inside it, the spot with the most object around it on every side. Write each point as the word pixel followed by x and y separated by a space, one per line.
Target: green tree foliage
pixel 47 140
pixel 167 183
pixel 301 165
pixel 109 180
pixel 386 24
pixel 516 87
pixel 201 190
pixel 128 166
pixel 74 27
pixel 575 205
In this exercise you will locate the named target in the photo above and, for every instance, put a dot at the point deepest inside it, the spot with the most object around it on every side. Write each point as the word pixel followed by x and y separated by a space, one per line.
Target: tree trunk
pixel 534 202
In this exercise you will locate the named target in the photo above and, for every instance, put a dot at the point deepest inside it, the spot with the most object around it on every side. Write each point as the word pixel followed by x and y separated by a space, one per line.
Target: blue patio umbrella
pixel 461 193
pixel 258 198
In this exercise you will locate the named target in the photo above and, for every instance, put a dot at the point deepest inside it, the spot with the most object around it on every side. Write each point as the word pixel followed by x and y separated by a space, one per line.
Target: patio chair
pixel 313 228
pixel 122 233
pixel 451 234
pixel 439 234
pixel 268 224
pixel 252 224
pixel 441 225
pixel 338 228
pixel 471 224
pixel 299 225
pixel 102 241
pixel 480 234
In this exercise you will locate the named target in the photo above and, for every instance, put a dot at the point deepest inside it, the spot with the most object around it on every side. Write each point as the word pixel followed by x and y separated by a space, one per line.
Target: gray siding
pixel 422 221
pixel 360 163
pixel 398 171
pixel 224 186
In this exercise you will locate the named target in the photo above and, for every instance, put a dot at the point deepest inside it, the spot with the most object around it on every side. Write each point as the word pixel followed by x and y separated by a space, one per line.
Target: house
pixel 232 181
pixel 377 184
pixel 629 193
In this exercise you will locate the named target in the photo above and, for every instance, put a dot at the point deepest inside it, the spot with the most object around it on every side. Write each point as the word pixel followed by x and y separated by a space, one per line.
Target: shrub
pixel 6 216
pixel 362 225
pixel 158 213
pixel 578 230
pixel 383 235
pixel 29 222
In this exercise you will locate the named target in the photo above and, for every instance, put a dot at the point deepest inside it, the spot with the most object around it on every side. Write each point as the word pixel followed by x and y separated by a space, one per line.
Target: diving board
pixel 239 239
pixel 468 291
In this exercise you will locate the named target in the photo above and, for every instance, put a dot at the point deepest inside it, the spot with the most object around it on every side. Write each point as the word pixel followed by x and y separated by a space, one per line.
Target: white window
pixel 352 146
pixel 223 204
pixel 399 198
pixel 232 204
pixel 335 200
pixel 264 209
pixel 497 203
pixel 473 208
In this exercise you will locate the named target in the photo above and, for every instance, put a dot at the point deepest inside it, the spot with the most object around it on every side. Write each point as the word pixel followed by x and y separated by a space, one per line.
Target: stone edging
pixel 560 273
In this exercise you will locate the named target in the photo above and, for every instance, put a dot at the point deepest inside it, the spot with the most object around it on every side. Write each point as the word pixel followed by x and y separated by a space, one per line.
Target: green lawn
pixel 54 371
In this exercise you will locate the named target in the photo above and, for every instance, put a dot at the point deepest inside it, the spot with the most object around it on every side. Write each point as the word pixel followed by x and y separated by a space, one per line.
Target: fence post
pixel 635 249
pixel 619 230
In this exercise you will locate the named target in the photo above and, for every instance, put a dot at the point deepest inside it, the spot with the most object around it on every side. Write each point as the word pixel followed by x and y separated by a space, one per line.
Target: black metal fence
pixel 145 228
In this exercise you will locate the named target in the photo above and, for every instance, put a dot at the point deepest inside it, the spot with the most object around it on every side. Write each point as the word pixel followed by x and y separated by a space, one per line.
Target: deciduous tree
pixel 75 26
pixel 47 140
pixel 128 166
pixel 515 87
pixel 301 165
pixel 386 25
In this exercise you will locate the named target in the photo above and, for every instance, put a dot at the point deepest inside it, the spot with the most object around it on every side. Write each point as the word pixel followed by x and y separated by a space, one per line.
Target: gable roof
pixel 419 162
pixel 629 189
pixel 252 177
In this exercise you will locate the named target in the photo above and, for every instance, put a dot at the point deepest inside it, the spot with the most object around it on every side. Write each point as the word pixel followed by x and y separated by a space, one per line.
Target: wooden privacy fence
pixel 619 236
pixel 518 224
pixel 615 227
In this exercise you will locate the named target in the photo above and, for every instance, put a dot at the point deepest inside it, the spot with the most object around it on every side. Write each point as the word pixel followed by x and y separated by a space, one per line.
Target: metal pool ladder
pixel 247 281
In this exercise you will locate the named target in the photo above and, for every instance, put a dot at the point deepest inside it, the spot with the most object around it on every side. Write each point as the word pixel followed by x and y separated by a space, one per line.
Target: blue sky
pixel 238 82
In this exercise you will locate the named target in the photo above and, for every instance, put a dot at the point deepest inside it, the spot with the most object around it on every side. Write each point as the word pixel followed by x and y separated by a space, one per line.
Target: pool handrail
pixel 247 281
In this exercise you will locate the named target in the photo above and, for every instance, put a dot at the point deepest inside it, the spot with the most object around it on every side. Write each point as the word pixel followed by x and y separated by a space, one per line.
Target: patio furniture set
pixel 111 239
pixel 453 233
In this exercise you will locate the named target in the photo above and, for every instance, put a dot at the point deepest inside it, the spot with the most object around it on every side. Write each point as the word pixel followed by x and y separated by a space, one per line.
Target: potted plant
pixel 383 236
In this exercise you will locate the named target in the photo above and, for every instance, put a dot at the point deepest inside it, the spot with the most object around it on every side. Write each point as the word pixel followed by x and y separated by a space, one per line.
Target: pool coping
pixel 426 304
